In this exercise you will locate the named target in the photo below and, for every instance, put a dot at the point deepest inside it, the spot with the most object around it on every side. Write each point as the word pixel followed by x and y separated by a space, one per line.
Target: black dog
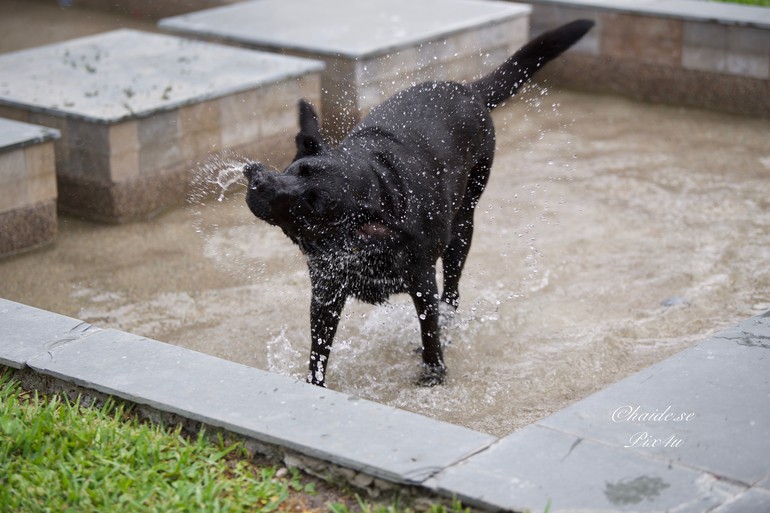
pixel 374 215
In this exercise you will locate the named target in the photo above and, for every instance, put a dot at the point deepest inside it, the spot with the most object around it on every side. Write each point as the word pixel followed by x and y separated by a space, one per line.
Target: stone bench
pixel 685 52
pixel 147 8
pixel 371 48
pixel 138 111
pixel 27 186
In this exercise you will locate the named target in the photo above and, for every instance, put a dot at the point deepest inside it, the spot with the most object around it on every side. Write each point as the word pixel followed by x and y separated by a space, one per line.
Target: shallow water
pixel 612 235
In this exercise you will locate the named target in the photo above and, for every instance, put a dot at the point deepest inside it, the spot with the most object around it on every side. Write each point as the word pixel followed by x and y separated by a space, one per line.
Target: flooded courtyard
pixel 612 234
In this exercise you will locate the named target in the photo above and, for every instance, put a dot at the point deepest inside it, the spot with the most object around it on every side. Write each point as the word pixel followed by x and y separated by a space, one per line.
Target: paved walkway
pixel 688 434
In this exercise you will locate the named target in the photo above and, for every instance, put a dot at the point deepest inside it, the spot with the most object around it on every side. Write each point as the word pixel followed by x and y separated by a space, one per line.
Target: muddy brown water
pixel 612 234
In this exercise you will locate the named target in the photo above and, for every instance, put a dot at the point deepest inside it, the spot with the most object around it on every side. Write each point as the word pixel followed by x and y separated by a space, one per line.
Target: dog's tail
pixel 503 82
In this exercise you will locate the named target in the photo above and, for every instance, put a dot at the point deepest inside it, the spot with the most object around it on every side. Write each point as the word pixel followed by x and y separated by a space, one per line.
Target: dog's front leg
pixel 324 317
pixel 426 301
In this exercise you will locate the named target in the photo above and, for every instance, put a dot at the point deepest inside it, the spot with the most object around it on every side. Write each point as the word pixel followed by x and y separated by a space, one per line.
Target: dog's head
pixel 321 195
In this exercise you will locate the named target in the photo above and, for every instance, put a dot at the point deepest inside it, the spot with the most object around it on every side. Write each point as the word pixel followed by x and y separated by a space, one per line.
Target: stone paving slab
pixel 378 440
pixel 537 467
pixel 707 407
pixel 15 134
pixel 753 501
pixel 26 332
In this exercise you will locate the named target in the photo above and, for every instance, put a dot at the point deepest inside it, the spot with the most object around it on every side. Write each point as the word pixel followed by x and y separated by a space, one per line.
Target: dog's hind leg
pixel 462 234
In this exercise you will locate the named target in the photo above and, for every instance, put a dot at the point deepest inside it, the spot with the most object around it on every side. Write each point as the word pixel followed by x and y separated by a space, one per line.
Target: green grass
pixel 57 455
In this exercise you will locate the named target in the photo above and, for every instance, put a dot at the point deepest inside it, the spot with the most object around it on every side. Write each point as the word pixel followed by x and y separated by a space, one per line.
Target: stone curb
pixel 587 457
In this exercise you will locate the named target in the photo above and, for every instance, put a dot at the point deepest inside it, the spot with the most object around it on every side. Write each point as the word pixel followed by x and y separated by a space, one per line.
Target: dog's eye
pixel 315 201
pixel 320 203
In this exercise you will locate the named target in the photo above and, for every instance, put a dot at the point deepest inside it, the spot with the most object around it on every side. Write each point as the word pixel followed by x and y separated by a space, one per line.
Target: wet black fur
pixel 374 215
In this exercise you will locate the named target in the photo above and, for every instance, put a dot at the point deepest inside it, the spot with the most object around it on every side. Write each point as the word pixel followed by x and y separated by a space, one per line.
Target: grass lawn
pixel 59 456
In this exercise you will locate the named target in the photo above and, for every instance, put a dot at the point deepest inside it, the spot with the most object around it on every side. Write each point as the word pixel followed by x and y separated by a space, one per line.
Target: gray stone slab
pixel 339 27
pixel 379 440
pixel 15 134
pixel 706 407
pixel 753 500
pixel 26 332
pixel 125 73
pixel 537 467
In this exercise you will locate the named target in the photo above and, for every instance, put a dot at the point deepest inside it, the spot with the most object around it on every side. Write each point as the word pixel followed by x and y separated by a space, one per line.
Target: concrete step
pixel 27 186
pixel 137 111
pixel 372 49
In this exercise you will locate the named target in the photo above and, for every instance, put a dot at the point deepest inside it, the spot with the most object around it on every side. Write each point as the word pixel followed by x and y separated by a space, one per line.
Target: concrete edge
pixel 277 412
pixel 327 433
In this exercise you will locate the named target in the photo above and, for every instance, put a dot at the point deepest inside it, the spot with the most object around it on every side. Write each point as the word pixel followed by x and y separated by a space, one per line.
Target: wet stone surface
pixel 14 134
pixel 26 332
pixel 529 469
pixel 687 409
pixel 105 78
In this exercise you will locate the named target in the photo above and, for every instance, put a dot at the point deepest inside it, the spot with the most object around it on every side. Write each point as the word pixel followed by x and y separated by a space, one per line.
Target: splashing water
pixel 229 242
pixel 216 176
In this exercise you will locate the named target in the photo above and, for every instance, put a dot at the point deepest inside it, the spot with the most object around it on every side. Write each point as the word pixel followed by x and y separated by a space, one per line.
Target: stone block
pixel 735 50
pixel 269 408
pixel 240 118
pixel 546 17
pixel 748 52
pixel 371 49
pixel 13 180
pixel 125 130
pixel 27 186
pixel 28 227
pixel 40 165
pixel 646 39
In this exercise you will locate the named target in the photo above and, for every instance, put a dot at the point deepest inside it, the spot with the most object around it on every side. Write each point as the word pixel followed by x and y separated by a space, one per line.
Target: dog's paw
pixel 312 380
pixel 432 375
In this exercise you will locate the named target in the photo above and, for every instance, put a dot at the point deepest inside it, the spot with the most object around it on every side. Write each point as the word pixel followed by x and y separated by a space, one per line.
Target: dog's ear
pixel 309 140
